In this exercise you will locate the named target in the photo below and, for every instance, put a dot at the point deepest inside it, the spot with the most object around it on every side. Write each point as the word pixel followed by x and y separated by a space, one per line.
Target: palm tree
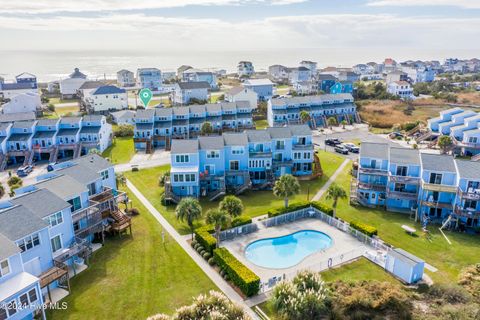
pixel 304 116
pixel 335 192
pixel 231 205
pixel 206 128
pixel 344 123
pixel 188 210
pixel 218 218
pixel 286 187
pixel 331 122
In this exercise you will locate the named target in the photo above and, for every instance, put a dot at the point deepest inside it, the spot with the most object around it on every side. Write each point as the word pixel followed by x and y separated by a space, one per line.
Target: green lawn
pixel 59 100
pixel 449 259
pixel 256 203
pixel 61 111
pixel 121 150
pixel 261 124
pixel 133 278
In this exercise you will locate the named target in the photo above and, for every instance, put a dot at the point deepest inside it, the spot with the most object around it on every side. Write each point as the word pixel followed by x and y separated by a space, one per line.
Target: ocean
pixel 54 65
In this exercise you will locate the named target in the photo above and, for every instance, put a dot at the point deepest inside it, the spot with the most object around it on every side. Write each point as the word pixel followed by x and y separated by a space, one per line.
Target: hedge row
pixel 205 235
pixel 365 228
pixel 300 205
pixel 239 274
pixel 205 238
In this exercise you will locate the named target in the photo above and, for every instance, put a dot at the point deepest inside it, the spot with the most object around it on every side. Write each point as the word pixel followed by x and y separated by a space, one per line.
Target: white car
pixel 351 147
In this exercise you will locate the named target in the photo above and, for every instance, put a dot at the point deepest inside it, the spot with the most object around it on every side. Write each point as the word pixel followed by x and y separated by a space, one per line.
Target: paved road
pixel 212 274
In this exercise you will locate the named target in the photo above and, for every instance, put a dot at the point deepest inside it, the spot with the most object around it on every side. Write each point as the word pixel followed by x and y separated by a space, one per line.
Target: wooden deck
pixel 52 275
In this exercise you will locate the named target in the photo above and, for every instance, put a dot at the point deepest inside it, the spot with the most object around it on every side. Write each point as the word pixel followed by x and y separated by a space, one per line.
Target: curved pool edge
pixel 332 242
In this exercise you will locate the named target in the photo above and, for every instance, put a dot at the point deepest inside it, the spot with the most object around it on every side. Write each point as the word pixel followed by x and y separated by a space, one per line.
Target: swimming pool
pixel 286 251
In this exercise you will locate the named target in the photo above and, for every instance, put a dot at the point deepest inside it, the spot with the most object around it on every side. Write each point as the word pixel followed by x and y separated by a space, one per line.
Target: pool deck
pixel 342 244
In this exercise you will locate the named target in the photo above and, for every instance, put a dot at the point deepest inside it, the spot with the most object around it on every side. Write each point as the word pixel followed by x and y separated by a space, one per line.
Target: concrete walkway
pixel 211 273
pixel 330 180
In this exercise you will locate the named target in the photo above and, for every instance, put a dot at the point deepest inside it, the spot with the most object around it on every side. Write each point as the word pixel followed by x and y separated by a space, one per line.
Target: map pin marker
pixel 145 96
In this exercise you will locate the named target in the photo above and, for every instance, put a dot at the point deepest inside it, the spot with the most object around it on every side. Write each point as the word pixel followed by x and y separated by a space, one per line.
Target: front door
pixel 17 145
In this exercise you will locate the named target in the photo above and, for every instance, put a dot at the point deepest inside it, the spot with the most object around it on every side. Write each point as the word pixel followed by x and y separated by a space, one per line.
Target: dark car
pixel 341 149
pixel 352 147
pixel 332 142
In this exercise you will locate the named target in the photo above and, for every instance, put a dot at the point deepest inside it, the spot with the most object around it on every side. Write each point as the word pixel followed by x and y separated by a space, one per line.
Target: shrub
pixel 15 181
pixel 226 277
pixel 241 276
pixel 2 190
pixel 123 130
pixel 240 221
pixel 203 236
pixel 211 261
pixel 200 248
pixel 163 177
pixel 470 279
pixel 206 255
pixel 298 206
pixel 194 243
pixel 133 211
pixel 449 293
pixel 365 228
pixel 222 272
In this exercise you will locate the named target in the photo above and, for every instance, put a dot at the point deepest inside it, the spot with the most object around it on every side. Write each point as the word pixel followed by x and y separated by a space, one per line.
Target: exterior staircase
pixel 122 221
pixel 53 155
pixel 313 123
pixel 148 146
pixel 28 158
pixel 243 187
pixel 169 195
pixel 216 194
pixel 424 136
pixel 317 166
pixel 3 161
pixel 77 150
pixel 357 117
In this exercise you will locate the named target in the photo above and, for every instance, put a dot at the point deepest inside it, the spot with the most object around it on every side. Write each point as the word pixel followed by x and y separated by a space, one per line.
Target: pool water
pixel 286 251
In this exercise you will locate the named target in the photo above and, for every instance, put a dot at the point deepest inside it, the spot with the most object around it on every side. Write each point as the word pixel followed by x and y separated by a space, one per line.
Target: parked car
pixel 24 171
pixel 352 147
pixel 51 166
pixel 332 142
pixel 395 135
pixel 341 149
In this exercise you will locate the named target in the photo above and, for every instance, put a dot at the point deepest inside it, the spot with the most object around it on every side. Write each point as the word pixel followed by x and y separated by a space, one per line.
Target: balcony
pixel 303 146
pixel 77 247
pixel 372 186
pixel 467 213
pixel 260 154
pixel 58 271
pixel 439 187
pixel 470 195
pixel 405 179
pixel 402 195
pixel 437 204
pixel 374 171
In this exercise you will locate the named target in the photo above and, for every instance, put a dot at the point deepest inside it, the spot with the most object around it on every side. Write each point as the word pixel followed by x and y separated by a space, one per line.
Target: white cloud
pixel 468 4
pixel 308 31
pixel 48 6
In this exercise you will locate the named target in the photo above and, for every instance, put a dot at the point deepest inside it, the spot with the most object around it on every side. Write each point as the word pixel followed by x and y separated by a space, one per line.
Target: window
pixel 238 150
pixel 401 171
pixel 297 155
pixel 435 178
pixel 104 175
pixel 29 242
pixel 213 154
pixel 56 243
pixel 182 158
pixel 373 163
pixel 472 139
pixel 12 308
pixel 76 204
pixel 55 219
pixel 234 165
pixel 24 300
pixel 4 268
pixel 306 155
pixel 280 145
pixel 3 313
pixel 210 169
pixel 400 187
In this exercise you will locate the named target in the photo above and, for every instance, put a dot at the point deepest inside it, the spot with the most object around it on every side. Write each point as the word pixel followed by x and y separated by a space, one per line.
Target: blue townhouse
pixel 326 82
pixel 435 188
pixel 209 166
pixel 155 128
pixel 445 116
pixel 20 292
pixel 28 78
pixel 370 187
pixel 196 75
pixel 68 137
pixel 467 204
pixel 44 139
pixel 341 87
pixel 404 180
pixel 19 142
pixel 262 87
pixel 46 232
pixel 320 107
pixel 149 78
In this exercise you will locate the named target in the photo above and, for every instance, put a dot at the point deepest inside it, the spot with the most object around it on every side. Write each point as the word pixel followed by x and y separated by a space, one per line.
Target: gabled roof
pixel 211 143
pixel 21 116
pixel 23 124
pixel 124 114
pixel 404 156
pixel 16 86
pixel 235 139
pixel 437 162
pixel 108 90
pixel 163 112
pixel 91 85
pixel 237 90
pixel 374 150
pixel 300 130
pixel 70 120
pixel 41 202
pixel 77 74
pixel 197 108
pixel 468 169
pixel 63 186
pixel 145 114
pixel 94 161
pixel 48 122
pixel 124 71
pixel 279 132
pixel 194 85
pixel 25 75
pixel 257 135
pixel 258 82
pixel 81 173
pixel 184 146
pixel 7 247
pixel 17 222
pixel 180 111
pixel 92 118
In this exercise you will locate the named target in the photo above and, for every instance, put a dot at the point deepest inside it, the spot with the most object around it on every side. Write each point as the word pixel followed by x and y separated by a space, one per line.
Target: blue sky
pixel 202 25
